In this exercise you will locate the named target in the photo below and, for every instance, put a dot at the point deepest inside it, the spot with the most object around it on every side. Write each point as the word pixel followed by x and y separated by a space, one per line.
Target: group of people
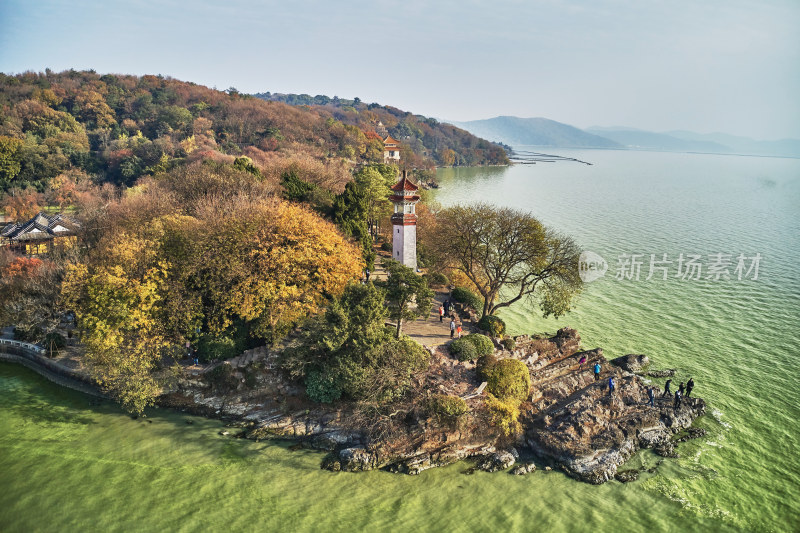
pixel 446 309
pixel 683 390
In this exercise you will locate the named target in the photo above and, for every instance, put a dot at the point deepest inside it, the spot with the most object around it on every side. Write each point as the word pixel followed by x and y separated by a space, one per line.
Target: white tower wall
pixel 404 245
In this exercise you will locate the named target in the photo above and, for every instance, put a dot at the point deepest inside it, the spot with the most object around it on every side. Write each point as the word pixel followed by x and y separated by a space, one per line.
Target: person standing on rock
pixel 458 331
pixel 651 394
pixel 441 313
pixel 596 371
pixel 582 361
pixel 689 387
pixel 666 388
pixel 678 396
pixel 681 388
pixel 452 327
pixel 611 385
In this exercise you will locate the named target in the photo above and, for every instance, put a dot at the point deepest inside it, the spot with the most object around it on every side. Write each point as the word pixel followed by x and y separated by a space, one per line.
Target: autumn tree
pixel 407 293
pixel 29 290
pixel 509 255
pixel 21 205
pixel 9 160
pixel 156 277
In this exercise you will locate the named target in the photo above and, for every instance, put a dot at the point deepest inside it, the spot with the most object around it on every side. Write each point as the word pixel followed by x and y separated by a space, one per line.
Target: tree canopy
pixel 508 255
pixel 407 293
pixel 173 264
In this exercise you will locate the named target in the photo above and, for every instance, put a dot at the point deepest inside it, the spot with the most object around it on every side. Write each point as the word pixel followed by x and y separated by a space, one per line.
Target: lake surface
pixel 68 465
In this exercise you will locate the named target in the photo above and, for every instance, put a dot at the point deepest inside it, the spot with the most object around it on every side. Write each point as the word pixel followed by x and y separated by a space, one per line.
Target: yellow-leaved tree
pixel 154 283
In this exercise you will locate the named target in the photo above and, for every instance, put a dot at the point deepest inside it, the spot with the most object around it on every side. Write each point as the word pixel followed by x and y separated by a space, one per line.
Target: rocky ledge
pixel 571 419
pixel 590 432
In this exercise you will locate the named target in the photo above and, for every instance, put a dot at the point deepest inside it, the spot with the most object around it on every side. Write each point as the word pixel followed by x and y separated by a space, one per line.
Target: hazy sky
pixel 702 65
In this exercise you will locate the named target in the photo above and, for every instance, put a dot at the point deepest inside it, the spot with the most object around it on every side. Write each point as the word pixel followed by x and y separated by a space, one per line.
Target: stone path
pixel 428 330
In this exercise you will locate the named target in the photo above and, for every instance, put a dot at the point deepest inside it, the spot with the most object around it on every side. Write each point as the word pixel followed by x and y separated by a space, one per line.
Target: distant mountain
pixel 744 145
pixel 545 132
pixel 648 140
pixel 535 131
pixel 687 141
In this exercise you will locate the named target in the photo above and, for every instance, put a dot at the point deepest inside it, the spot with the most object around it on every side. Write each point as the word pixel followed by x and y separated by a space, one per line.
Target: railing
pixel 34 357
pixel 25 345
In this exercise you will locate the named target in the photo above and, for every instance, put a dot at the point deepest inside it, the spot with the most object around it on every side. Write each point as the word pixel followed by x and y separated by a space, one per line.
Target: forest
pixel 117 128
pixel 426 138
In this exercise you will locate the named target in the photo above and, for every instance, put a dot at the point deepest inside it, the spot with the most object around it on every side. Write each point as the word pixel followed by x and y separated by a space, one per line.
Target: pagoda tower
pixel 404 222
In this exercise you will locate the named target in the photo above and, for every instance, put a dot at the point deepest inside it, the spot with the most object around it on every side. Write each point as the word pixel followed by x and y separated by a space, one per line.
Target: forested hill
pixel 118 128
pixel 426 138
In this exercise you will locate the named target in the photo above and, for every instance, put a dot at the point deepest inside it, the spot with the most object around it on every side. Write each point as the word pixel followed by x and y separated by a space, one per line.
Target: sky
pixel 730 66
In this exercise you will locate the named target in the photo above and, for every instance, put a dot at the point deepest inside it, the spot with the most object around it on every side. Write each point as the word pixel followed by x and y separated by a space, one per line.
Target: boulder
pixel 666 373
pixel 523 469
pixel 632 362
pixel 356 459
pixel 501 460
pixel 626 476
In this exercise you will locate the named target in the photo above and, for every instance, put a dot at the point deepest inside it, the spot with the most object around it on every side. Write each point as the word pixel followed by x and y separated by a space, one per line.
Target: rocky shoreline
pixel 571 421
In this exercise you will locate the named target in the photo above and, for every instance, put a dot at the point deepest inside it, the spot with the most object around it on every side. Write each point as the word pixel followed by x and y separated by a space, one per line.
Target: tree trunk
pixel 399 326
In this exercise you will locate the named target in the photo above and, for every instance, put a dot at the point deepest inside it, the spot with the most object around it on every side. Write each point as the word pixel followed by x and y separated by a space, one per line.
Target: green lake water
pixel 68 465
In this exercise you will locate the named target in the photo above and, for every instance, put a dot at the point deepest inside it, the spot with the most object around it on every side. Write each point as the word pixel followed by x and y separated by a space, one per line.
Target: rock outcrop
pixel 590 431
pixel 570 419
pixel 632 362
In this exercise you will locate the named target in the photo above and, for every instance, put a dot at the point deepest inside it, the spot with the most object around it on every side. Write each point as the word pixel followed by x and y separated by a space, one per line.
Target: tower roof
pixel 389 140
pixel 405 184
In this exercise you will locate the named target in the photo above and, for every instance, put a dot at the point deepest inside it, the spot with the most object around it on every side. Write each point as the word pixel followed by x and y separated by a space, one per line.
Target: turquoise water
pixel 68 465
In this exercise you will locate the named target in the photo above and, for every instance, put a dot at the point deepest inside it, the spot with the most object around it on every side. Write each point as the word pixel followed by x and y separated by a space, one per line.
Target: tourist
pixel 689 387
pixel 366 273
pixel 452 327
pixel 582 361
pixel 196 359
pixel 596 371
pixel 610 385
pixel 458 331
pixel 441 313
pixel 652 395
pixel 678 396
pixel 666 388
pixel 681 388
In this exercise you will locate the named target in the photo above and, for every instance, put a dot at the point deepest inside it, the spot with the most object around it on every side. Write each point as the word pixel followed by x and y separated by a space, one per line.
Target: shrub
pixel 436 279
pixel 210 348
pixel 221 377
pixel 509 379
pixel 463 349
pixel 386 246
pixel 446 408
pixel 468 298
pixel 54 342
pixel 32 334
pixel 483 344
pixel 493 324
pixel 484 366
pixel 505 414
pixel 321 387
pixel 509 344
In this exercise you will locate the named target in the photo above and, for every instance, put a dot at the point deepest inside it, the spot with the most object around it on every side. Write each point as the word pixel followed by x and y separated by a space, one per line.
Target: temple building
pixel 40 234
pixel 391 150
pixel 404 222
